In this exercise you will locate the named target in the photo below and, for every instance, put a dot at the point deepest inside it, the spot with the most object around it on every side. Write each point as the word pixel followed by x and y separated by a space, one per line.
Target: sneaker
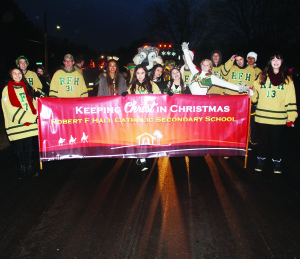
pixel 142 164
pixel 260 164
pixel 138 162
pixel 277 167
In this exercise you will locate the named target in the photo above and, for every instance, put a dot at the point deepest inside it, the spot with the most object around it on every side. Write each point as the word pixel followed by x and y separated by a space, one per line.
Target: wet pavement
pixel 192 207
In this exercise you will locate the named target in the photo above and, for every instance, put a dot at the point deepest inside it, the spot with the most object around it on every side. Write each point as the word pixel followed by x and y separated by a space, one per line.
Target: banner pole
pixel 248 135
pixel 37 106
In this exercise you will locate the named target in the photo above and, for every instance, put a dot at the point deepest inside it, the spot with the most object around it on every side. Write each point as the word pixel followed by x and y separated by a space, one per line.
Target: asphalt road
pixel 196 207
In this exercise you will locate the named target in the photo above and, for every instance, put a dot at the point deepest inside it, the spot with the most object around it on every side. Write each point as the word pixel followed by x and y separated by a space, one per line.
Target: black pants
pixel 270 139
pixel 22 145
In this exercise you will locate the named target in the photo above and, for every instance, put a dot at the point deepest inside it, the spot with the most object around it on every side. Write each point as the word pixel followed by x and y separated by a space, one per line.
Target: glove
pixel 37 94
pixel 290 123
pixel 250 92
pixel 124 93
pixel 185 45
pixel 243 88
pixel 170 93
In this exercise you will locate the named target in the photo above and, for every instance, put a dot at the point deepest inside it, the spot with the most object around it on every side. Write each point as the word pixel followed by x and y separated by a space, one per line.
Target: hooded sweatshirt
pixel 216 70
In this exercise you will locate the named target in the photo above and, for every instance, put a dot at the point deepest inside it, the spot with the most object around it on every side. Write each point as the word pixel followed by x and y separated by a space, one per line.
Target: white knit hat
pixel 252 54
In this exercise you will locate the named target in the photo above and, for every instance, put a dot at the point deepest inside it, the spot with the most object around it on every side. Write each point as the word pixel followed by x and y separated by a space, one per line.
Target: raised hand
pixel 185 45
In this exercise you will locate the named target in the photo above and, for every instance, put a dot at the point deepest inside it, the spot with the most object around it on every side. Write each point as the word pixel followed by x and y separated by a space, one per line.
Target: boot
pixel 29 165
pixel 277 166
pixel 21 165
pixel 260 164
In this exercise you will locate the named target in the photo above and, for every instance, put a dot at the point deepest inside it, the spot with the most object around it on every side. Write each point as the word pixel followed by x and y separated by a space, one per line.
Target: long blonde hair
pixel 210 64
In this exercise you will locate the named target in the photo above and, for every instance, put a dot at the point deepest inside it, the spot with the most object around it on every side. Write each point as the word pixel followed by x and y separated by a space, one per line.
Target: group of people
pixel 20 109
pixel 272 91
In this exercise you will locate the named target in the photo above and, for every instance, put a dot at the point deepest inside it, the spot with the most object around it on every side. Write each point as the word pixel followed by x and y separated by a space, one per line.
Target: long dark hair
pixel 268 69
pixel 45 74
pixel 128 78
pixel 172 80
pixel 110 81
pixel 152 72
pixel 145 85
pixel 29 88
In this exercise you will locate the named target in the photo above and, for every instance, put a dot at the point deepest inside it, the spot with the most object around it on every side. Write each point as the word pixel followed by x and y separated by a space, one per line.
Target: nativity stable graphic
pixel 148 139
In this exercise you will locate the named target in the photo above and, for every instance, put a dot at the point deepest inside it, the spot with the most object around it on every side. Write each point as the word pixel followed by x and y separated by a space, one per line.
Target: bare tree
pixel 257 24
pixel 177 20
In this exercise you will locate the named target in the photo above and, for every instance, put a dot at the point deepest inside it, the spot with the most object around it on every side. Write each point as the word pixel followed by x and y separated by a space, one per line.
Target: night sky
pixel 103 25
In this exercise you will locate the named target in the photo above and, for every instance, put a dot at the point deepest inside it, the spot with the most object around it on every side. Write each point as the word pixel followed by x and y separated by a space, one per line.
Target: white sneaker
pixel 144 167
pixel 141 162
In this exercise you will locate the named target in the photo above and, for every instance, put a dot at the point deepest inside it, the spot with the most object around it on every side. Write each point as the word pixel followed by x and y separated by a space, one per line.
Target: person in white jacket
pixel 201 82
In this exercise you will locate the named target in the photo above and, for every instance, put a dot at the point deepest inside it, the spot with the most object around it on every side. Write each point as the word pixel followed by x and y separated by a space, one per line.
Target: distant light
pixel 146 46
pixel 91 83
pixel 58 27
pixel 39 63
pixel 102 56
pixel 92 64
pixel 165 46
pixel 170 46
pixel 160 45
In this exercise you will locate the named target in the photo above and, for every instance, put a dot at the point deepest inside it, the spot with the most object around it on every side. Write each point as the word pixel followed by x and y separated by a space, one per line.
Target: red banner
pixel 138 126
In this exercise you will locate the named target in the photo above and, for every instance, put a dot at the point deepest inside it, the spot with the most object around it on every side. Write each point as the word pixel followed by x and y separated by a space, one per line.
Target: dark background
pixel 96 28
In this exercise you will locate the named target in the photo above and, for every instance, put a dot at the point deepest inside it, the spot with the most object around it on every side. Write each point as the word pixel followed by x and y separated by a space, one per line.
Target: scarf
pixel 276 79
pixel 14 99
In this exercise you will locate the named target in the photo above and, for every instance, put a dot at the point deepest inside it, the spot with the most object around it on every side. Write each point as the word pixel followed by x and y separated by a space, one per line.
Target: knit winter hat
pixel 21 57
pixel 170 63
pixel 130 66
pixel 252 54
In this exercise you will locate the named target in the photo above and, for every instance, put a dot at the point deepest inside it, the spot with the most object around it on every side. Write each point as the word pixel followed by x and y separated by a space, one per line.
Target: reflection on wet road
pixel 192 207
